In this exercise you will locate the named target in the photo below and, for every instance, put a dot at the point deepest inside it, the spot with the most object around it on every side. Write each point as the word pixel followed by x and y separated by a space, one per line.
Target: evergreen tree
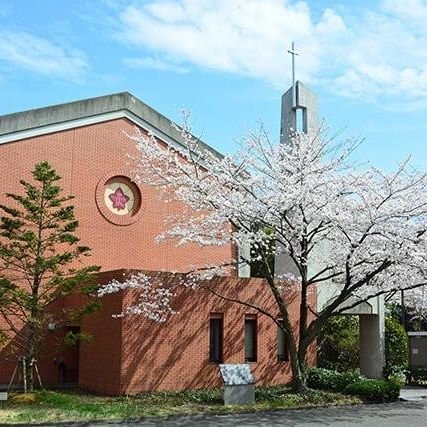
pixel 39 254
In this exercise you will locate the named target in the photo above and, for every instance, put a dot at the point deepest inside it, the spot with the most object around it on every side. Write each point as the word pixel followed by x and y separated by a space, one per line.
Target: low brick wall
pixel 133 354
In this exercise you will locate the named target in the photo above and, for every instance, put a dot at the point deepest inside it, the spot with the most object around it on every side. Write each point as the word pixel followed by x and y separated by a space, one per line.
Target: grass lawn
pixel 53 406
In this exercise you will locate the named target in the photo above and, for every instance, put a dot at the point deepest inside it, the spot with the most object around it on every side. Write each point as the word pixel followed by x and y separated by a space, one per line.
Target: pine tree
pixel 39 254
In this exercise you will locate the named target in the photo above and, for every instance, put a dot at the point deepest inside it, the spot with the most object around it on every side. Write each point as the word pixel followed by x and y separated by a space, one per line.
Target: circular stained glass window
pixel 118 199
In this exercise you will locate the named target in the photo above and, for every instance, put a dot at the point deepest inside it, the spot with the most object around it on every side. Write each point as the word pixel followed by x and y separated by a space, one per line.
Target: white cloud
pixel 26 51
pixel 155 64
pixel 413 11
pixel 167 11
pixel 387 58
pixel 377 54
pixel 248 37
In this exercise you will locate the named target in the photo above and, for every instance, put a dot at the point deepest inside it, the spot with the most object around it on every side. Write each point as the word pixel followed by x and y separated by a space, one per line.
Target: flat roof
pixel 59 117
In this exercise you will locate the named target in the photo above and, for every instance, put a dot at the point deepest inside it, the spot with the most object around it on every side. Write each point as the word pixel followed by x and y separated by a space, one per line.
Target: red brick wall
pixel 175 355
pixel 52 352
pixel 82 156
pixel 101 357
pixel 7 358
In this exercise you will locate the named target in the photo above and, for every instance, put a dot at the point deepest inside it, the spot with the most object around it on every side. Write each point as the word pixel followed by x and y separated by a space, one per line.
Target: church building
pixel 86 143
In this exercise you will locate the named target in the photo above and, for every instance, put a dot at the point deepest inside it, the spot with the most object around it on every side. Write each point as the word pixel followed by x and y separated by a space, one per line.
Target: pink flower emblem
pixel 119 199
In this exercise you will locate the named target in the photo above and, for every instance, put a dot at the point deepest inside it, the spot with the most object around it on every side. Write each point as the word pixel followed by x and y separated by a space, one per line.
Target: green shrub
pixel 375 390
pixel 339 345
pixel 269 393
pixel 396 347
pixel 325 379
pixel 394 371
pixel 399 377
pixel 417 375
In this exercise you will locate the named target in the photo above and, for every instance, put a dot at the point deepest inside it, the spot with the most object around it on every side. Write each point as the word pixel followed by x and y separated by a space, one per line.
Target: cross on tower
pixel 294 94
pixel 299 107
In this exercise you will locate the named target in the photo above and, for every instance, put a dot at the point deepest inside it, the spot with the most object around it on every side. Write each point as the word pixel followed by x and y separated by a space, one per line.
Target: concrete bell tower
pixel 299 107
pixel 299 112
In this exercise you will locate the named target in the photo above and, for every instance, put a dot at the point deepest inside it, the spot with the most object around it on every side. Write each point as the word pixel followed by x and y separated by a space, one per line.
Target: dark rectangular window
pixel 250 338
pixel 282 344
pixel 216 332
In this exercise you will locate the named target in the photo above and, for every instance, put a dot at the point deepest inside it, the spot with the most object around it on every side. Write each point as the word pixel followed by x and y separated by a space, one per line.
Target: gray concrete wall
pixel 244 269
pixel 417 350
pixel 372 344
pixel 306 101
pixel 283 264
pixel 239 394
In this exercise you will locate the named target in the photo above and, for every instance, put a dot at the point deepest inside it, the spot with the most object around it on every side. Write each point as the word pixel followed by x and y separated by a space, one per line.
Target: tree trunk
pixel 297 368
pixel 30 358
pixel 30 374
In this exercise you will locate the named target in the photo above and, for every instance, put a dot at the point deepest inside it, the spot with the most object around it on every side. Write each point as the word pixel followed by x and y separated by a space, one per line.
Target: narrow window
pixel 216 332
pixel 299 120
pixel 250 338
pixel 282 344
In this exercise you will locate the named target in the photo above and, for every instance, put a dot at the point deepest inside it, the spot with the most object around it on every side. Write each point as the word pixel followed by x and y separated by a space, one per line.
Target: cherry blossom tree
pixel 154 300
pixel 359 231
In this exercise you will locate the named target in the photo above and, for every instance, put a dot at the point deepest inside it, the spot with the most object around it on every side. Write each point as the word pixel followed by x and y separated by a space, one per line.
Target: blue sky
pixel 226 61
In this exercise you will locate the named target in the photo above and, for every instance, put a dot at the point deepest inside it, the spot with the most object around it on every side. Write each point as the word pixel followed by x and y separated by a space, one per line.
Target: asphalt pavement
pixel 398 414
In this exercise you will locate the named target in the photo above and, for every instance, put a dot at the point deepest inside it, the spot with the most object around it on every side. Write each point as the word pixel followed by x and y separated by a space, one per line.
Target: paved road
pixel 398 414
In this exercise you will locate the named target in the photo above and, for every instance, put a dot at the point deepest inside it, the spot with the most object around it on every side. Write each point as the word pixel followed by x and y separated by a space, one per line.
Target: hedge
pixel 354 384
pixel 375 390
pixel 325 379
pixel 416 375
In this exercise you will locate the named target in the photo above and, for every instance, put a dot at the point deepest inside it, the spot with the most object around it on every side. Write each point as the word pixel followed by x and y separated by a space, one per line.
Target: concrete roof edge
pixel 56 114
